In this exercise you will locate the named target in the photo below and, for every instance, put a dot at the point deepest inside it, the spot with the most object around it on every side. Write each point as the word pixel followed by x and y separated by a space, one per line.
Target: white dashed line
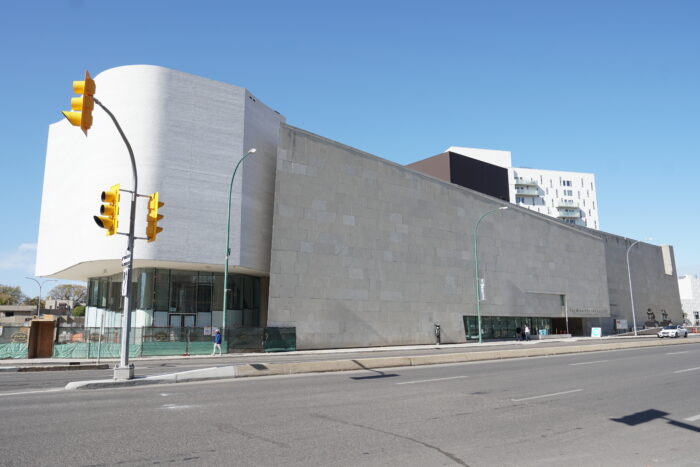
pixel 588 363
pixel 687 369
pixel 31 392
pixel 431 380
pixel 546 395
pixel 692 419
pixel 178 407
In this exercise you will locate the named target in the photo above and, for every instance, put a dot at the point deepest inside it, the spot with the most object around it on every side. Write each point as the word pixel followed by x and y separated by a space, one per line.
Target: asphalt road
pixel 628 407
pixel 13 382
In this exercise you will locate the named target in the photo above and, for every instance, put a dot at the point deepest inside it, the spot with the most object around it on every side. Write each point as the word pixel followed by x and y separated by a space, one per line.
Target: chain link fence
pixel 74 342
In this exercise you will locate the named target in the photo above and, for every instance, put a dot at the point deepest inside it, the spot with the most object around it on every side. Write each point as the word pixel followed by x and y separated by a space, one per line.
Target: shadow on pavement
pixel 650 415
pixel 379 374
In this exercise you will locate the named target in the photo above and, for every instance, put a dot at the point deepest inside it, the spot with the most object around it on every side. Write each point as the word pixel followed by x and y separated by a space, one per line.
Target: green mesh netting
pixel 13 350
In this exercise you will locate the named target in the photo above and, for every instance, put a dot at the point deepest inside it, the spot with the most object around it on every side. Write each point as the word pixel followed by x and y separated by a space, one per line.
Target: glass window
pixel 162 289
pixel 115 296
pixel 144 299
pixel 217 302
pixel 103 292
pixel 205 287
pixel 93 292
pixel 183 289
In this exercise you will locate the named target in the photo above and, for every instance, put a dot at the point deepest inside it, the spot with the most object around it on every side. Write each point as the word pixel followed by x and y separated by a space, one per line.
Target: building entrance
pixel 575 326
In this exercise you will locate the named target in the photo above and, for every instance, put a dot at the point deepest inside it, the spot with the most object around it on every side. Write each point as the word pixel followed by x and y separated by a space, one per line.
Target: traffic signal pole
pixel 125 370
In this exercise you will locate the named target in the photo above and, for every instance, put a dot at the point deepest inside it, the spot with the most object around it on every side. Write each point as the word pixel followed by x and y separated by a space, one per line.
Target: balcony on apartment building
pixel 569 213
pixel 527 190
pixel 521 181
pixel 567 203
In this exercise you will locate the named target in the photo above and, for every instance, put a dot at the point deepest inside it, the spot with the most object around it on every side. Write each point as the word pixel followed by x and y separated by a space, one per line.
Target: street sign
pixel 596 332
pixel 125 280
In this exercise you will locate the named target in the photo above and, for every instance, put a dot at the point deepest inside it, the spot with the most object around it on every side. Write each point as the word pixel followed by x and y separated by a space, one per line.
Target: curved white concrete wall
pixel 187 134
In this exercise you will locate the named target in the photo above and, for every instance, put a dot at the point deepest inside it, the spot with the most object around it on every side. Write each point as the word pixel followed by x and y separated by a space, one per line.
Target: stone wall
pixel 366 252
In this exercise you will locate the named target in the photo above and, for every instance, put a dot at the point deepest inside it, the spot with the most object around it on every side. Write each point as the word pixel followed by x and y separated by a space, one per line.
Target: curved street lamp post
pixel 228 248
pixel 40 284
pixel 476 269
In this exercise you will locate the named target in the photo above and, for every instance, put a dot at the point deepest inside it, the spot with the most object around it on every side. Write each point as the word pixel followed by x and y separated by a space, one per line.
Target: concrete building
pixel 689 288
pixel 16 315
pixel 346 248
pixel 568 196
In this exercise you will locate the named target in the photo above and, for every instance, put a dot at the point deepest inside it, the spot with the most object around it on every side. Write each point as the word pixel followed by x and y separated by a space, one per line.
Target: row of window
pixel 176 291
pixel 505 327
pixel 533 200
pixel 562 182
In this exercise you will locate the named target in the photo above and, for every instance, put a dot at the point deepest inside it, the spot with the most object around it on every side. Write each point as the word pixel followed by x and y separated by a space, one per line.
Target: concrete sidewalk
pixel 24 362
pixel 57 364
pixel 373 364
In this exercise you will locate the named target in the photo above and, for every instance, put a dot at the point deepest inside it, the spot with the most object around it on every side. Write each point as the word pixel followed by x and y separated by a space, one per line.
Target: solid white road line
pixel 31 392
pixel 588 363
pixel 676 353
pixel 546 395
pixel 692 419
pixel 687 369
pixel 431 380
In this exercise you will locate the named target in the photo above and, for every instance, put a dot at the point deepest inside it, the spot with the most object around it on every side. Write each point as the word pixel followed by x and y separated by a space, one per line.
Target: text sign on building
pixel 621 324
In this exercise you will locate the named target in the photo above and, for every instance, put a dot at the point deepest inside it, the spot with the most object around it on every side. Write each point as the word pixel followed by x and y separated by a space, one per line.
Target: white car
pixel 673 331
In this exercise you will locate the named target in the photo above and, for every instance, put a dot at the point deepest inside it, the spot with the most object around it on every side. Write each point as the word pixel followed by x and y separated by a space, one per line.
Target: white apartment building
pixel 569 196
pixel 689 288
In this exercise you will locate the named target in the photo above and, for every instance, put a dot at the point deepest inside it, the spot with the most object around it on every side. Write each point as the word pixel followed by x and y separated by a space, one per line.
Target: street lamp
pixel 476 269
pixel 629 276
pixel 228 247
pixel 40 284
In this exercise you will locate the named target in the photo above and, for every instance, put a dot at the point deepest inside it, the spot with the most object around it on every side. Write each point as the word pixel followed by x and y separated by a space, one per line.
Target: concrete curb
pixel 273 369
pixel 101 366
pixel 33 368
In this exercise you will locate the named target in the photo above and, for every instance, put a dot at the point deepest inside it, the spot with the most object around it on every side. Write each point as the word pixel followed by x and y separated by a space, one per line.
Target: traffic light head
pixel 153 217
pixel 82 106
pixel 109 219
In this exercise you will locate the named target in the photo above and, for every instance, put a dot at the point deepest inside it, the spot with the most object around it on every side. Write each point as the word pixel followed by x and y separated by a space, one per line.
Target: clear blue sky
pixel 609 87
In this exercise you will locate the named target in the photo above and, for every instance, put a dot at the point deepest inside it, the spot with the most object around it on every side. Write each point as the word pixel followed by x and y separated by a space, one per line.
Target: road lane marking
pixel 687 369
pixel 676 353
pixel 588 363
pixel 431 380
pixel 178 407
pixel 692 419
pixel 546 395
pixel 31 392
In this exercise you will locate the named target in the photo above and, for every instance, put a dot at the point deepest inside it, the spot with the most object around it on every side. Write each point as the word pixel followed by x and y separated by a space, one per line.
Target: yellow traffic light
pixel 109 220
pixel 82 106
pixel 153 217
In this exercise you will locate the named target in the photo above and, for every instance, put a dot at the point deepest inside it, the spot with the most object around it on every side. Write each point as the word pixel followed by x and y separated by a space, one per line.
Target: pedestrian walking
pixel 217 343
pixel 527 332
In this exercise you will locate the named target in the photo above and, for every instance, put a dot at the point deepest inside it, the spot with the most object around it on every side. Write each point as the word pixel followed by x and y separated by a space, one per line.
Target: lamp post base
pixel 124 373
